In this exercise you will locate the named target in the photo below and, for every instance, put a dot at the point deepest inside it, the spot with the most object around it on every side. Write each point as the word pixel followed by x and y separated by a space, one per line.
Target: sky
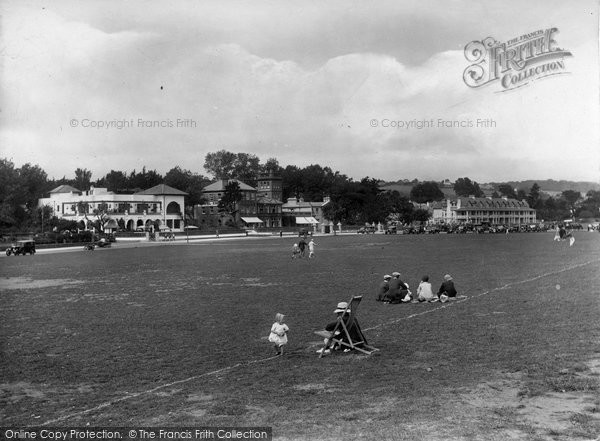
pixel 367 88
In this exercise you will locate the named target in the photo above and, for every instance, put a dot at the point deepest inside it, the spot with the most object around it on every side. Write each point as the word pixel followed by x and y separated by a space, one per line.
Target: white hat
pixel 341 307
pixel 387 276
pixel 396 274
pixel 443 298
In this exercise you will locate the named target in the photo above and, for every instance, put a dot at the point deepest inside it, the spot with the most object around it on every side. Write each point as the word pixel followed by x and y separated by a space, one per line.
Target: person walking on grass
pixel 302 246
pixel 278 335
pixel 311 249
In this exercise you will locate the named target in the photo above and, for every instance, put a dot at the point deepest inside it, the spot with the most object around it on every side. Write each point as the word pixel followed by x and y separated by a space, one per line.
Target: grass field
pixel 175 335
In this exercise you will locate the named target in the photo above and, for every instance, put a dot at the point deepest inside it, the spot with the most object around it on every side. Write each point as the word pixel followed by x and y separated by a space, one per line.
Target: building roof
pixel 492 203
pixel 163 189
pixel 294 203
pixel 65 189
pixel 267 200
pixel 221 183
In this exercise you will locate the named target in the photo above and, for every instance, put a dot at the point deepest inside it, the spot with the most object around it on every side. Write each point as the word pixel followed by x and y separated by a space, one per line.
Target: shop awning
pixel 252 220
pixel 306 220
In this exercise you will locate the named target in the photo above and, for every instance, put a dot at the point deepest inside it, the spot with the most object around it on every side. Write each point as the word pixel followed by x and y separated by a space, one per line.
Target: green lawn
pixel 175 334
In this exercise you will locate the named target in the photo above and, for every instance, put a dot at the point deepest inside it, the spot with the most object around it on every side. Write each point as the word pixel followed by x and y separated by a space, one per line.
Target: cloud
pixel 253 87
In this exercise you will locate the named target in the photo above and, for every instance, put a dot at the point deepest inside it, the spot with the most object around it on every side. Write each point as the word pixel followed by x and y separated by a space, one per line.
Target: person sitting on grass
pixel 398 289
pixel 447 290
pixel 384 288
pixel 278 335
pixel 424 291
pixel 343 314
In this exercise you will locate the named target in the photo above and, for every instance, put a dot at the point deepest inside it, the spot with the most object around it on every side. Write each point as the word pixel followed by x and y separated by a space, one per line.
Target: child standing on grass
pixel 278 335
pixel 295 251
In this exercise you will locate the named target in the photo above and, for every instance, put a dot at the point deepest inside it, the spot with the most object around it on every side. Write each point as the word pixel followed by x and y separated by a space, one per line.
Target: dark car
pixel 303 232
pixel 392 229
pixel 366 230
pixel 21 247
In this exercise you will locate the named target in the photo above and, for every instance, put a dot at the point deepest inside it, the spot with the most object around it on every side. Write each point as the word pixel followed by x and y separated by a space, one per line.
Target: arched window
pixel 173 208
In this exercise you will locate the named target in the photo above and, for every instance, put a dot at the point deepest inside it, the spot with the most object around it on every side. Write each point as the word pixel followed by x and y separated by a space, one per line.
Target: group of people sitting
pixel 394 290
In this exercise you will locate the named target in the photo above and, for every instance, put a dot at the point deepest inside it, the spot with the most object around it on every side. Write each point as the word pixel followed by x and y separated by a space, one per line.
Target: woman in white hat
pixel 343 313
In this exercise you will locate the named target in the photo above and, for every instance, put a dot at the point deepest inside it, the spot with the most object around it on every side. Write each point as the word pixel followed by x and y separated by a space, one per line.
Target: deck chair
pixel 347 333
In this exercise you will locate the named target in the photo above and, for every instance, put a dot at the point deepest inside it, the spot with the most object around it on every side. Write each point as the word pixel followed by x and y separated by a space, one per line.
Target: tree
pixel 534 198
pixel 145 179
pixel 426 192
pixel 571 197
pixel 246 167
pixel 591 204
pixel 11 199
pixel 33 182
pixel 421 215
pixel 507 190
pixel 114 181
pixel 189 182
pixel 231 196
pixel 271 166
pixel 83 177
pixel 220 164
pixel 465 187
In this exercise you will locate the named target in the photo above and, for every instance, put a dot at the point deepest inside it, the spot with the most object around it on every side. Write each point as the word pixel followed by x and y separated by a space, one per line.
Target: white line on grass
pixel 260 360
pixel 500 288
pixel 149 391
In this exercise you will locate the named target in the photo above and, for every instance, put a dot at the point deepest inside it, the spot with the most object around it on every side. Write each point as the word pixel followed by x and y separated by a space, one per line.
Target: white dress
pixel 276 329
pixel 424 291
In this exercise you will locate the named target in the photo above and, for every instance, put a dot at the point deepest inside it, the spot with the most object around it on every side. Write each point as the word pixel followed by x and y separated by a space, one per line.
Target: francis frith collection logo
pixel 516 62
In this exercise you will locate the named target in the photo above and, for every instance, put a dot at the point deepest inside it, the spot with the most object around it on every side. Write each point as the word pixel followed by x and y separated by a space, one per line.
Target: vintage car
pixel 21 247
pixel 102 243
pixel 366 230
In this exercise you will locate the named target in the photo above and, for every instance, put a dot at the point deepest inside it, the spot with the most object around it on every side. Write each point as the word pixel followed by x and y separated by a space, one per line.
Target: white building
pixel 495 211
pixel 161 206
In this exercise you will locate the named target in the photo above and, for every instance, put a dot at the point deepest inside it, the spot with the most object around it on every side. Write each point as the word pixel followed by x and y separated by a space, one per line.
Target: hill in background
pixel 549 186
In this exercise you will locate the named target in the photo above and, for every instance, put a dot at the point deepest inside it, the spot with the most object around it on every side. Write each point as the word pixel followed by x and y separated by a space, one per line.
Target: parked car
pixel 303 232
pixel 366 230
pixel 21 247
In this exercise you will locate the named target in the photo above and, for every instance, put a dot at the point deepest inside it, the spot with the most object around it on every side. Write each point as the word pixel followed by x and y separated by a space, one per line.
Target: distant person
pixel 311 249
pixel 278 335
pixel 302 246
pixel 447 290
pixel 384 288
pixel 295 251
pixel 557 234
pixel 424 291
